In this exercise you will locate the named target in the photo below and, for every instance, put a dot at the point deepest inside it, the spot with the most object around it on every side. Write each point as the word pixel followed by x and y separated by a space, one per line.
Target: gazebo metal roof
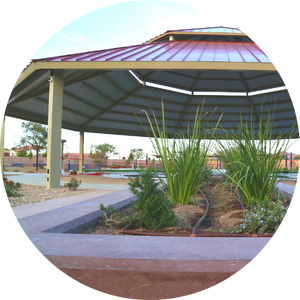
pixel 103 88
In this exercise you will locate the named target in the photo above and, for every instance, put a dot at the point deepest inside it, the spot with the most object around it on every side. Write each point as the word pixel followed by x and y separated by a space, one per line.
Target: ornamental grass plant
pixel 184 158
pixel 252 158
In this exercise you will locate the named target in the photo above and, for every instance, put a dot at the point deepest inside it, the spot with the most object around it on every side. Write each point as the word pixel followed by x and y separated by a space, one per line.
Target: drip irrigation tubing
pixel 194 234
pixel 204 216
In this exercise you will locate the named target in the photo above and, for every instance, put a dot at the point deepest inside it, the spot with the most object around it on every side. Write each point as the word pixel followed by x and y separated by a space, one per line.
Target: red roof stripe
pixel 136 55
pixel 181 55
pixel 234 53
pixel 209 52
pixel 171 52
pixel 174 51
pixel 196 53
pixel 108 56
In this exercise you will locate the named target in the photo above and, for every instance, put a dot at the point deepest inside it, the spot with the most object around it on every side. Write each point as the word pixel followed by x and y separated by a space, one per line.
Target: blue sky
pixel 115 24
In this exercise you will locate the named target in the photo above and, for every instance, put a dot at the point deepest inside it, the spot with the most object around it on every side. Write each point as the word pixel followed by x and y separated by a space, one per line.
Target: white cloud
pixel 74 37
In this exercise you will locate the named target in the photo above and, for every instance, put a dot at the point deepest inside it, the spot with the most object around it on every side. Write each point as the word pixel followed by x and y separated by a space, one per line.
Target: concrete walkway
pixel 40 179
pixel 36 208
pixel 289 189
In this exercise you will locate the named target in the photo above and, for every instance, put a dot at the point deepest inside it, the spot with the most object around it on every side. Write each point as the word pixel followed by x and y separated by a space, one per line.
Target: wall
pixel 24 160
pixel 89 164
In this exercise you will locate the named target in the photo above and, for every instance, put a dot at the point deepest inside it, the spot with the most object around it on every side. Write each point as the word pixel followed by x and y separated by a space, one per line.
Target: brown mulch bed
pixel 225 211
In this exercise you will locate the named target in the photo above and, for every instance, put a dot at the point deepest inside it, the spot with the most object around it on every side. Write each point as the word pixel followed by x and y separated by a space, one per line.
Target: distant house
pixel 14 151
pixel 6 152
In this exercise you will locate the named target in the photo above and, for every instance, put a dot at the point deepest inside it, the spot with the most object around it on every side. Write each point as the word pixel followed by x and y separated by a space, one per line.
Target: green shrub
pixel 264 217
pixel 11 187
pixel 112 218
pixel 73 184
pixel 154 210
pixel 22 153
pixel 16 170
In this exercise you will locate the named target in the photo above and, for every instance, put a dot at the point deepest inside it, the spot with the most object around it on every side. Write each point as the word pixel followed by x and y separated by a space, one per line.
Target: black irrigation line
pixel 204 216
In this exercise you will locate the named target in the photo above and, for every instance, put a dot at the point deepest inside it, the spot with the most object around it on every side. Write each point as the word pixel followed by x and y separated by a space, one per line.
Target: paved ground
pixel 104 183
pixel 88 182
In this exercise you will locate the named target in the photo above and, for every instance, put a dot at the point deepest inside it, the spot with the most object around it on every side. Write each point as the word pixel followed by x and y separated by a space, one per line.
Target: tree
pixel 30 155
pixel 137 154
pixel 129 159
pixel 22 153
pixel 35 136
pixel 100 153
pixel 67 154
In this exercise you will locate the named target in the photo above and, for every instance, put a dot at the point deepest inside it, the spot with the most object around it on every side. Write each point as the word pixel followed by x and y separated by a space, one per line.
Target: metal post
pixel 286 161
pixel 81 150
pixel 291 161
pixel 62 156
pixel 56 84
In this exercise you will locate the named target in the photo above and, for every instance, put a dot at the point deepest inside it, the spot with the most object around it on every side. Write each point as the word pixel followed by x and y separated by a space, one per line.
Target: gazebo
pixel 99 91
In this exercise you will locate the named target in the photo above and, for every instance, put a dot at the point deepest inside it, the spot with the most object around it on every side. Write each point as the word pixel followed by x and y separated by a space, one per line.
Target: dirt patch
pixel 97 179
pixel 225 211
pixel 24 169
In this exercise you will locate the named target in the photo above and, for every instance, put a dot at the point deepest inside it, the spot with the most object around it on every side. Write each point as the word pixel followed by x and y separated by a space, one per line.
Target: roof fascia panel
pixel 193 33
pixel 154 65
pixel 25 74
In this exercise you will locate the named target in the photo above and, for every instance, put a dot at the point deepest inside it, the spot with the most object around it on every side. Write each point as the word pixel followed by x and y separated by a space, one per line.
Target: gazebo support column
pixel 54 129
pixel 2 145
pixel 81 151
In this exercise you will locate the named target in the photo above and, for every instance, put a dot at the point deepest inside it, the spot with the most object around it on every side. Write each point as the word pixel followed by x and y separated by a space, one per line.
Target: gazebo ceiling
pixel 103 89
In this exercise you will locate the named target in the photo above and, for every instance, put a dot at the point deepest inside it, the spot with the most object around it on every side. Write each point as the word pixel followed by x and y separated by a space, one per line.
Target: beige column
pixel 2 145
pixel 56 84
pixel 81 151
